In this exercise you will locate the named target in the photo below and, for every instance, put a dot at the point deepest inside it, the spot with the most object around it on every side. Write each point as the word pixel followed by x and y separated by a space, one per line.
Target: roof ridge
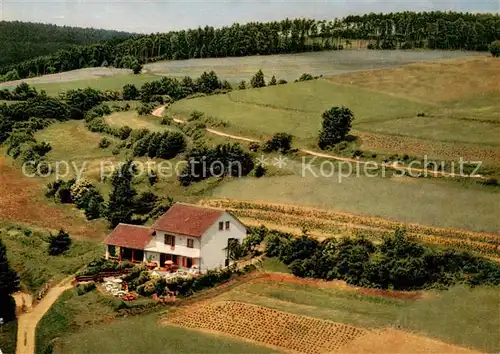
pixel 200 206
pixel 134 225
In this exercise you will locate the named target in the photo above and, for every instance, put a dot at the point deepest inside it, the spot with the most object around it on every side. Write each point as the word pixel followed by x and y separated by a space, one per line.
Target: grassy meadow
pixel 291 66
pixel 295 108
pixel 460 316
pixel 80 79
pixel 413 109
pixel 426 201
pixel 91 324
pixel 27 251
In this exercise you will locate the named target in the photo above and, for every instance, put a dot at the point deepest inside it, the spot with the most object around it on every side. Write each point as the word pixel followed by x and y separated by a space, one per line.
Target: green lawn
pixel 89 324
pixel 460 315
pixel 136 121
pixel 73 141
pixel 146 335
pixel 28 255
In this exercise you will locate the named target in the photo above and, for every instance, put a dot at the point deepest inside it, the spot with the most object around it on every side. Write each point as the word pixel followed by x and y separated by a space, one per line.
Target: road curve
pixel 27 322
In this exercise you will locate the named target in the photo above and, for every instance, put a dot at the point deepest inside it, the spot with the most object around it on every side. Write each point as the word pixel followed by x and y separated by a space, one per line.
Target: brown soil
pixel 268 326
pixel 22 201
pixel 394 341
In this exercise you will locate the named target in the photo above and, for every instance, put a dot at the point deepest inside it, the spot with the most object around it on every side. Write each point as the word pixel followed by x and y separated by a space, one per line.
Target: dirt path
pixel 159 113
pixel 27 322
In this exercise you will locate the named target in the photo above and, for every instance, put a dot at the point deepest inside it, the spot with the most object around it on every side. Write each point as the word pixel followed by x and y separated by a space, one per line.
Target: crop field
pixel 324 223
pixel 445 316
pixel 291 66
pixel 272 327
pixel 427 201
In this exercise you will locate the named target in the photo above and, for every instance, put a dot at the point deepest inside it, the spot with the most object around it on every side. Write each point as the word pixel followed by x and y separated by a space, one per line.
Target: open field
pixel 462 117
pixel 272 327
pixel 295 108
pixel 89 324
pixel 279 311
pixel 291 66
pixel 73 141
pixel 104 79
pixel 436 315
pixel 136 121
pixel 22 201
pixel 27 253
pixel 327 223
pixel 435 82
pixel 424 201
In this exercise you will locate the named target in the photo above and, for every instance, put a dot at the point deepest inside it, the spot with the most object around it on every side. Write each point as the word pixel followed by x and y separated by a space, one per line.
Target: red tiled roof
pixel 186 219
pixel 131 236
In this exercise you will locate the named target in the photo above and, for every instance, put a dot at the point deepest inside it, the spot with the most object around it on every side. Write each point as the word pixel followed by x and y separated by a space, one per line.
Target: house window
pixel 190 243
pixel 227 225
pixel 221 225
pixel 112 250
pixel 170 240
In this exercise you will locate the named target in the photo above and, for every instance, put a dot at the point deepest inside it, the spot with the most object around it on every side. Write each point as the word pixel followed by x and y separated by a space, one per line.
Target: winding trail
pixel 158 112
pixel 27 322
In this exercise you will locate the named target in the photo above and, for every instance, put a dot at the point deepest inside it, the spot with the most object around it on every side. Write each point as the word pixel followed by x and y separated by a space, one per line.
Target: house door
pixel 189 262
pixel 163 258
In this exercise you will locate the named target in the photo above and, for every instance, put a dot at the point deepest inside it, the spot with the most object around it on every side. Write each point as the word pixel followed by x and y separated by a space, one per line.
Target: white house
pixel 188 235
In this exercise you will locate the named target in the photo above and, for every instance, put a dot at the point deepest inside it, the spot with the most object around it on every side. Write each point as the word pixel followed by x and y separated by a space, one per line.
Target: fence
pixel 100 276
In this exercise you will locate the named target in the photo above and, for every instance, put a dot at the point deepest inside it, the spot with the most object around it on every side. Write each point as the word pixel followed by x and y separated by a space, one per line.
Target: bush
pixel 82 289
pixel 130 92
pixel 145 108
pixel 279 142
pixel 258 80
pixel 260 171
pixel 282 82
pixel 495 49
pixel 306 77
pixel 195 116
pixel 337 122
pixel 106 265
pixel 104 143
pixel 59 243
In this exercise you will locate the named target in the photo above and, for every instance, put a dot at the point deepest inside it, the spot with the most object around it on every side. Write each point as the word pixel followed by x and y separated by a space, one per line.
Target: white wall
pixel 214 242
pixel 152 257
pixel 157 244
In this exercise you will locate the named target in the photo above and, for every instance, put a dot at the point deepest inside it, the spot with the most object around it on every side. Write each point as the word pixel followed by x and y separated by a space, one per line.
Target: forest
pixel 402 30
pixel 25 40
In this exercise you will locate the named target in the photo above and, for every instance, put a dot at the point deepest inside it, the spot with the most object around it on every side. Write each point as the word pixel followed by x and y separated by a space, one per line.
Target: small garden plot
pixel 268 326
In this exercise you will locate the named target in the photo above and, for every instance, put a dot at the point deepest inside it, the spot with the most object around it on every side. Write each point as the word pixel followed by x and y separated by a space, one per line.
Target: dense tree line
pixel 397 263
pixel 437 30
pixel 219 161
pixel 9 284
pixel 26 40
